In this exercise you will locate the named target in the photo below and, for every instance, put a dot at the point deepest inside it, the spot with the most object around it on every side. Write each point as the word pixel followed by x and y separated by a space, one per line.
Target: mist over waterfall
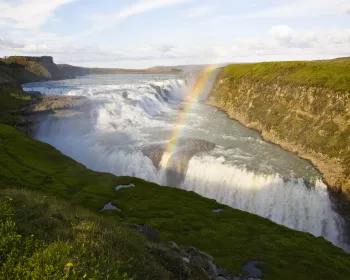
pixel 128 125
pixel 287 202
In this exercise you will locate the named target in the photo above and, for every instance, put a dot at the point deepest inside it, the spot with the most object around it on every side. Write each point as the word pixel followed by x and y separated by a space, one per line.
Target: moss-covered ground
pixel 231 236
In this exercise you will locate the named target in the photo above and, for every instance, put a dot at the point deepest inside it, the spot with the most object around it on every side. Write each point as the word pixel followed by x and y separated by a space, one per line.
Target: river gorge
pixel 127 128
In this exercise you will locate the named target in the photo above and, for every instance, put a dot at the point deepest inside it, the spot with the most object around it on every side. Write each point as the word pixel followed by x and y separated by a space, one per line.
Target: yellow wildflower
pixel 69 265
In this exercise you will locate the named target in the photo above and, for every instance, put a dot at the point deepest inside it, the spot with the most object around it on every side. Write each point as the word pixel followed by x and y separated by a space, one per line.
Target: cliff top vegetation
pixel 333 74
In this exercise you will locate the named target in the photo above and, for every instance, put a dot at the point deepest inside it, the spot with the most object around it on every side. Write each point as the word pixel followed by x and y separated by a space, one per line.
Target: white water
pixel 131 113
pixel 289 203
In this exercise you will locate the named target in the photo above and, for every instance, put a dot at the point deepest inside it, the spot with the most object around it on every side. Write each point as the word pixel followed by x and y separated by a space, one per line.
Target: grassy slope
pixel 231 236
pixel 11 101
pixel 40 235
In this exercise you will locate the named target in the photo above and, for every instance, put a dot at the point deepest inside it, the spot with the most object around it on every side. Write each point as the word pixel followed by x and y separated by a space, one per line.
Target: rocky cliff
pixel 25 69
pixel 302 106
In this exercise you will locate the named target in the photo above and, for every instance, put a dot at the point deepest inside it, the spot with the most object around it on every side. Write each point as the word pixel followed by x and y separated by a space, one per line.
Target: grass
pixel 330 74
pixel 11 101
pixel 233 237
pixel 46 238
pixel 12 98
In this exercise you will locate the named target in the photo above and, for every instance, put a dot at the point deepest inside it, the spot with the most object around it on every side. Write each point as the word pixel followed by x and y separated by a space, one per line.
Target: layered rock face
pixel 308 115
pixel 41 106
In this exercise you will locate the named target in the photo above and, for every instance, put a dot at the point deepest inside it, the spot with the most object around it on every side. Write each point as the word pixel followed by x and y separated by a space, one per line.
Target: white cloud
pixel 301 8
pixel 290 38
pixel 8 44
pixel 200 11
pixel 280 42
pixel 103 21
pixel 347 9
pixel 26 14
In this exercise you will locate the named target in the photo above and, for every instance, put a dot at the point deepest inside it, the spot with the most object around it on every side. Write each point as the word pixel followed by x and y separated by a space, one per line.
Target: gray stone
pixel 220 278
pixel 211 269
pixel 222 272
pixel 192 251
pixel 173 245
pixel 110 206
pixel 151 233
pixel 186 260
pixel 202 260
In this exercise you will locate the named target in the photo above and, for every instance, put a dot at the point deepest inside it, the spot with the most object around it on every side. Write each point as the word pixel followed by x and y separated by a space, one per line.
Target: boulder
pixel 203 260
pixel 151 233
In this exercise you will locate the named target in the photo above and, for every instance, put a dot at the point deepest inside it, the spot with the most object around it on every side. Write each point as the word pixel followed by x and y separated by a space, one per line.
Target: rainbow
pixel 191 97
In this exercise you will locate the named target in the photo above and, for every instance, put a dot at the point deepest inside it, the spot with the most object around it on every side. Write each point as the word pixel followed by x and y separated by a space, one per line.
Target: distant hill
pixel 342 59
pixel 186 68
pixel 80 71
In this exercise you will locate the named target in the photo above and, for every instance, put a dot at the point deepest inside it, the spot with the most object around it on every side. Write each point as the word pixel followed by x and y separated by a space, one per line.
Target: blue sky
pixel 145 33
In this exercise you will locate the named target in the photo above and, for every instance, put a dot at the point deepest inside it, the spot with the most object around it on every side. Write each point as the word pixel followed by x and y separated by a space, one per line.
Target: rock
pixel 222 272
pixel 252 269
pixel 173 245
pixel 220 278
pixel 185 263
pixel 151 233
pixel 241 277
pixel 110 206
pixel 203 260
pixel 192 251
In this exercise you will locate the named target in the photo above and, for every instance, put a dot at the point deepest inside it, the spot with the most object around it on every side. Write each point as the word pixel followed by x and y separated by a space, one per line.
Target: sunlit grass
pixel 331 74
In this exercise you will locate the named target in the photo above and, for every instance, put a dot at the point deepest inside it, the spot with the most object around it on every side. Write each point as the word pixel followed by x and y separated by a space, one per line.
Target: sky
pixel 146 33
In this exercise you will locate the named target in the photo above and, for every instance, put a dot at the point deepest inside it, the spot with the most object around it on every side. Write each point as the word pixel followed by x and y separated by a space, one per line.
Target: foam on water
pixel 288 202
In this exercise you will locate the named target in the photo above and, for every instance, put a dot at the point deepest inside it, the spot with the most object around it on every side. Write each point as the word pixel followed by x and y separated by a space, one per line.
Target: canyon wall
pixel 302 106
pixel 26 69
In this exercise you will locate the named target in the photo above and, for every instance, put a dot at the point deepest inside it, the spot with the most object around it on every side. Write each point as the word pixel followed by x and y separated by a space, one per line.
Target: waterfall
pixel 287 202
